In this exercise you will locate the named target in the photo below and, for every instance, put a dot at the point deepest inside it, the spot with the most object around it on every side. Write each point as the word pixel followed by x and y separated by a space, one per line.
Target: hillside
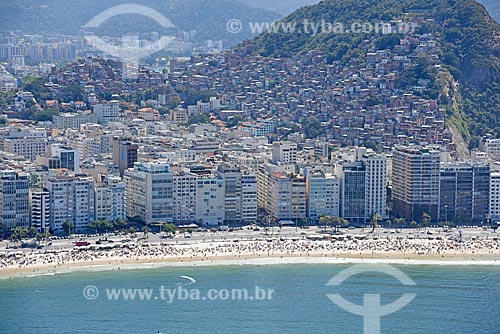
pixel 280 6
pixel 208 18
pixel 468 40
pixel 493 7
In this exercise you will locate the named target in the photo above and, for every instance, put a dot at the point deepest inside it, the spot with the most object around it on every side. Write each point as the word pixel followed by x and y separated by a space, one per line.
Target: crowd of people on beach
pixel 129 252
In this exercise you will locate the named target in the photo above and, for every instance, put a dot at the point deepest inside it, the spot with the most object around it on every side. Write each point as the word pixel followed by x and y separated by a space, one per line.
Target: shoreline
pixel 126 254
pixel 118 264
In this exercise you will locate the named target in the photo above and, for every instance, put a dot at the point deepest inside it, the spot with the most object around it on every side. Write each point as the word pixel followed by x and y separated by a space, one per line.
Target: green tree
pixel 203 118
pixel 68 227
pixel 101 226
pixel 402 221
pixel 170 229
pixel 413 224
pixel 18 234
pixel 426 219
pixel 119 224
pixel 146 231
pixel 376 218
pixel 327 221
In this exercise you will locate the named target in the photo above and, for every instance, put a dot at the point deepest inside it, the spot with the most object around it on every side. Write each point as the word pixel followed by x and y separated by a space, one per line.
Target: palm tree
pixel 426 218
pixel 374 222
pixel 68 226
pixel 414 224
pixel 32 232
pixel 494 227
pixel 146 231
pixel 400 221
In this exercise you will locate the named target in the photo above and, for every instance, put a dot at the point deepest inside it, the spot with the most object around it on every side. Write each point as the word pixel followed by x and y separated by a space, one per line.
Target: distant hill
pixel 284 7
pixel 208 18
pixel 469 40
pixel 493 6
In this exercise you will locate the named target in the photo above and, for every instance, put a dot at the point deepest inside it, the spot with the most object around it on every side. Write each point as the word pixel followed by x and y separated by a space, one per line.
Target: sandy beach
pixel 390 250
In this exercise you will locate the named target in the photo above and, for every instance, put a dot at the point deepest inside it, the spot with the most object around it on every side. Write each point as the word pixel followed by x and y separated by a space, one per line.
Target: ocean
pixel 251 299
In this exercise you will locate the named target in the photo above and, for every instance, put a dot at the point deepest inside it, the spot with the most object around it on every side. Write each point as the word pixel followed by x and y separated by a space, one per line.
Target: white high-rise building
pixel 108 111
pixel 495 196
pixel 71 199
pixel 69 158
pixel 40 209
pixel 492 147
pixel 28 147
pixel 375 185
pixel 248 197
pixel 150 192
pixel 363 186
pixel 231 177
pixel 210 201
pixel 282 195
pixel 322 195
pixel 14 199
pixel 110 199
pixel 185 184
pixel 284 152
pixel 28 143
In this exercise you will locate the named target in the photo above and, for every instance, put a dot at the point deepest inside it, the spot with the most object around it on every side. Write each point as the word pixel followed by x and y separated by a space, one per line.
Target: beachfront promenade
pixel 469 244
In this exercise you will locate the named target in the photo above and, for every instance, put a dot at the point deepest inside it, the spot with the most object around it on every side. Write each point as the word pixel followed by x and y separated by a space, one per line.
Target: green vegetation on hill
pixel 469 40
pixel 280 6
pixel 208 18
pixel 493 6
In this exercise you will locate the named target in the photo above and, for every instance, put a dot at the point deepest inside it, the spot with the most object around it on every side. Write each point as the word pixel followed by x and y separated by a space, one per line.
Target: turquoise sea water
pixel 450 299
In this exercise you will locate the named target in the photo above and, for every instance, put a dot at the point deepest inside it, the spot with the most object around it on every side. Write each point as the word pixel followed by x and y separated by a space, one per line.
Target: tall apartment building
pixel 27 147
pixel 40 209
pixel 124 154
pixel 72 120
pixel 464 193
pixel 210 200
pixel 110 199
pixel 280 194
pixel 415 182
pixel 14 199
pixel 150 192
pixel 71 199
pixel 492 147
pixel 231 178
pixel 495 196
pixel 259 127
pixel 60 156
pixel 322 195
pixel 69 158
pixel 284 152
pixel 107 111
pixel 375 185
pixel 353 183
pixel 179 115
pixel 185 187
pixel 248 197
